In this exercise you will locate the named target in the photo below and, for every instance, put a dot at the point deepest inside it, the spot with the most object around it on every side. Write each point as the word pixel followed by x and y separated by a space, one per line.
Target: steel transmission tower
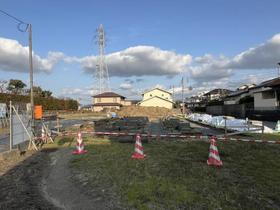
pixel 101 73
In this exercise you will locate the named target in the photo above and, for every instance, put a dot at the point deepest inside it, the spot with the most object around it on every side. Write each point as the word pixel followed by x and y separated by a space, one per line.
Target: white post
pixel 11 126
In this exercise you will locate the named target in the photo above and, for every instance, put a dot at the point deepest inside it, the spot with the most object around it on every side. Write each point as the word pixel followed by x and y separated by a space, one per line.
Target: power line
pixel 28 27
pixel 15 18
pixel 20 22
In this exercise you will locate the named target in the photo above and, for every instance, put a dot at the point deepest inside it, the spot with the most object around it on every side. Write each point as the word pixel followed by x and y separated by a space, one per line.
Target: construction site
pixel 139 126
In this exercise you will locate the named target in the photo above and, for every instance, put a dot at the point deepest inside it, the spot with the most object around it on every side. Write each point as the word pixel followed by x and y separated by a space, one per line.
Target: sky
pixel 211 44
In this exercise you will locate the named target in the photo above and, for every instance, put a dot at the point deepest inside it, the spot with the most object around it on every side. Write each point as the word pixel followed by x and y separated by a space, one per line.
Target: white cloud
pixel 14 57
pixel 138 61
pixel 264 56
pixel 126 86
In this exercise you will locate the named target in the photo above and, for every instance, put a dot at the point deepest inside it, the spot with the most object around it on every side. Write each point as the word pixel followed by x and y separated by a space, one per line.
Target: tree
pixel 16 86
pixel 46 93
pixel 37 90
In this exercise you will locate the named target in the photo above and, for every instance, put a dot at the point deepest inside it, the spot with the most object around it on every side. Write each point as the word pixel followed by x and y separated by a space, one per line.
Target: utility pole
pixel 173 94
pixel 183 96
pixel 31 74
pixel 278 69
pixel 23 27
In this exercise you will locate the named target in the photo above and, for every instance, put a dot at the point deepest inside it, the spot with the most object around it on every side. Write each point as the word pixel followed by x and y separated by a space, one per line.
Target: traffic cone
pixel 79 146
pixel 138 153
pixel 277 127
pixel 214 158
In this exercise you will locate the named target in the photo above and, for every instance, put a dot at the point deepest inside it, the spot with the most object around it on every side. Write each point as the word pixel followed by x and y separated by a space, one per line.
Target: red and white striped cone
pixel 214 158
pixel 138 153
pixel 43 135
pixel 79 146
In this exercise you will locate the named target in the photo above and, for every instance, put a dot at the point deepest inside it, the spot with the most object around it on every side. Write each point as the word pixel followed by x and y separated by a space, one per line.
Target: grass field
pixel 265 136
pixel 175 175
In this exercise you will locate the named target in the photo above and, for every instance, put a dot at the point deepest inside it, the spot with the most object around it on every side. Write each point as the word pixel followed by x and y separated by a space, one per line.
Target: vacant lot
pixel 175 175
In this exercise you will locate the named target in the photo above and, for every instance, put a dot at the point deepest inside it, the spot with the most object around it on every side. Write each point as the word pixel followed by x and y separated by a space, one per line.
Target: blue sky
pixel 168 39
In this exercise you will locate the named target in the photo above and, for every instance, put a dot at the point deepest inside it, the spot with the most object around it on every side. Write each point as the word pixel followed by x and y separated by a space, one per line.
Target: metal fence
pixel 20 125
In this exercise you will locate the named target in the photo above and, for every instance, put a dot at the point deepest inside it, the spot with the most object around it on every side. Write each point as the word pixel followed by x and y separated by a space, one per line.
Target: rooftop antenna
pixel 101 70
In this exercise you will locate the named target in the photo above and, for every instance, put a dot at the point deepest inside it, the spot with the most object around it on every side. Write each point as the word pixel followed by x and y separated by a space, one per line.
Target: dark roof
pixel 219 90
pixel 134 101
pixel 107 94
pixel 106 104
pixel 237 93
pixel 270 83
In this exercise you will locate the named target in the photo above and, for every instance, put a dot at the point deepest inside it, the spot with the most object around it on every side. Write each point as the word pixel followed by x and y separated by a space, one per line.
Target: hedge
pixel 49 103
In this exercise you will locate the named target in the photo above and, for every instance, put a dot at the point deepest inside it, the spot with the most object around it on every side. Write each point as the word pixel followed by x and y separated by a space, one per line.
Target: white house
pixel 157 98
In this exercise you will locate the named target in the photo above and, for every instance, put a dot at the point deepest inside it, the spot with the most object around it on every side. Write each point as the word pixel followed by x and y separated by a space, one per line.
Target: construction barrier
pixel 169 136
pixel 38 112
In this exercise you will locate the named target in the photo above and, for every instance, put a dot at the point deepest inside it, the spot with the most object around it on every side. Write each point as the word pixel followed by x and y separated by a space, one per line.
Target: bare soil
pixel 153 113
pixel 19 181
pixel 43 180
pixel 67 190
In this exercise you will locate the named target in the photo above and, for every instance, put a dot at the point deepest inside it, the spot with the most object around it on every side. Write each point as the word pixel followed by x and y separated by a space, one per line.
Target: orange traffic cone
pixel 214 158
pixel 79 146
pixel 138 153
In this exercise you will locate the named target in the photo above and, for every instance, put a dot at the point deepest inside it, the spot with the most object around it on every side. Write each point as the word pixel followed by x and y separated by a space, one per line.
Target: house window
pixel 114 100
pixel 268 95
pixel 151 95
pixel 162 95
pixel 98 99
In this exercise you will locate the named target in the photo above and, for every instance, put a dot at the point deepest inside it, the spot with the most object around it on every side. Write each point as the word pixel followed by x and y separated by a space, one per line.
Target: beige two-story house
pixel 157 98
pixel 109 100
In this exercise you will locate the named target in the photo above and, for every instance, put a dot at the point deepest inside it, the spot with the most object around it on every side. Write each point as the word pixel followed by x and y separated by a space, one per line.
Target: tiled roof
pixel 108 94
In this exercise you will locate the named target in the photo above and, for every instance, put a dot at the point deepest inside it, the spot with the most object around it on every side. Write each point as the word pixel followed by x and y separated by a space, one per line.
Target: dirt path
pixel 19 180
pixel 59 188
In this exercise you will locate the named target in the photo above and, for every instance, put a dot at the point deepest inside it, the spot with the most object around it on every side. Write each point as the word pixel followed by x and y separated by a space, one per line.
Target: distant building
pixel 217 94
pixel 235 96
pixel 157 98
pixel 267 95
pixel 109 100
